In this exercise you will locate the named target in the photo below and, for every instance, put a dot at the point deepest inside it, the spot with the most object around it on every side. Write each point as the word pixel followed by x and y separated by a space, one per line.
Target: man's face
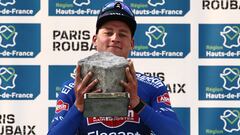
pixel 115 37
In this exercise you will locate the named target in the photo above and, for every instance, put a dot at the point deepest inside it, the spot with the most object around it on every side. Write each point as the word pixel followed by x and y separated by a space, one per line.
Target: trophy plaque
pixel 109 69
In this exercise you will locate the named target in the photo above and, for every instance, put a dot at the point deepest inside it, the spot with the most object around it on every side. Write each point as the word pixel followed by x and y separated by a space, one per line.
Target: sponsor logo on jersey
pixel 114 122
pixel 164 99
pixel 61 106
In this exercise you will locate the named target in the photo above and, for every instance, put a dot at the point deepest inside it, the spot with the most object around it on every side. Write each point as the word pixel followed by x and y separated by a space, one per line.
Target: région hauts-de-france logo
pixel 7 78
pixel 231 36
pixel 231 78
pixel 7 2
pixel 231 119
pixel 156 35
pixel 7 36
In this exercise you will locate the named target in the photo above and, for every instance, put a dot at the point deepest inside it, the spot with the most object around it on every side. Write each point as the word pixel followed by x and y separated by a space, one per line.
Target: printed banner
pixel 219 121
pixel 20 40
pixel 219 41
pixel 161 41
pixel 139 8
pixel 57 76
pixel 19 82
pixel 219 82
pixel 19 7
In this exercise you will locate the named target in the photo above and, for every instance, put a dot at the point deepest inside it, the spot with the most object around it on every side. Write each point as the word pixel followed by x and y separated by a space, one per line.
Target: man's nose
pixel 115 37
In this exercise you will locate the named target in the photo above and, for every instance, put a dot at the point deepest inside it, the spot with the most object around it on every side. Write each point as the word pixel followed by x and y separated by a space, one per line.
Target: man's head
pixel 116 11
pixel 115 29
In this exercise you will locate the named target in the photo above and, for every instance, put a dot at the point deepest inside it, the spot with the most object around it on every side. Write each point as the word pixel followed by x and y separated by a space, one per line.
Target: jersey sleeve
pixel 67 118
pixel 158 114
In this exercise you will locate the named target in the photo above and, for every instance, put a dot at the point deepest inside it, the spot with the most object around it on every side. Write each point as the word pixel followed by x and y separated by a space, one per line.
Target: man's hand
pixel 131 85
pixel 83 86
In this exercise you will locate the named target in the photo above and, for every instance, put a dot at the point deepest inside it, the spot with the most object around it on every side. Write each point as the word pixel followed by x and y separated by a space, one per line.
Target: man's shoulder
pixel 150 80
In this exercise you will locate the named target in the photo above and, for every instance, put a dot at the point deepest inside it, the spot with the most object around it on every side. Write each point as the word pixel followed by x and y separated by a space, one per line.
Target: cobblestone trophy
pixel 109 69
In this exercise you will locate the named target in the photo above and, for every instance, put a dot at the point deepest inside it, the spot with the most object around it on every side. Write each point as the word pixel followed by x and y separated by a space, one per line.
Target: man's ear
pixel 132 43
pixel 94 39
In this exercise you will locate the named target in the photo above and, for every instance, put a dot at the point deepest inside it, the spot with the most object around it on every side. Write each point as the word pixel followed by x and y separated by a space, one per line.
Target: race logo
pixel 139 8
pixel 156 36
pixel 72 40
pixel 14 80
pixel 15 41
pixel 220 5
pixel 7 2
pixel 7 36
pixel 231 36
pixel 114 122
pixel 164 99
pixel 12 124
pixel 219 40
pixel 222 83
pixel 7 78
pixel 231 119
pixel 19 8
pixel 61 106
pixel 231 78
pixel 58 75
pixel 161 41
pixel 224 121
pixel 174 87
pixel 81 2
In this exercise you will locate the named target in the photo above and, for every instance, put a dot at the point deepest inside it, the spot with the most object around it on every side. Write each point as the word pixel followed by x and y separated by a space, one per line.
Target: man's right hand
pixel 82 86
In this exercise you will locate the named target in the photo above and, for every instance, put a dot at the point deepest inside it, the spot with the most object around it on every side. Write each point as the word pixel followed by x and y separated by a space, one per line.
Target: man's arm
pixel 160 117
pixel 67 118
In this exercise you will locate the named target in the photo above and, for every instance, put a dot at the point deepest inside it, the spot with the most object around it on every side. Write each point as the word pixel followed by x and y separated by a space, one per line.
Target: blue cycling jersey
pixel 157 117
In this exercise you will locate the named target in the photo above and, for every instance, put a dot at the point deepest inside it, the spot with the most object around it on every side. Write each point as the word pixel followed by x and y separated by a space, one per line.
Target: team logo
pixel 118 121
pixel 231 78
pixel 7 36
pixel 61 106
pixel 7 78
pixel 154 4
pixel 231 119
pixel 156 35
pixel 231 36
pixel 7 2
pixel 81 2
pixel 164 99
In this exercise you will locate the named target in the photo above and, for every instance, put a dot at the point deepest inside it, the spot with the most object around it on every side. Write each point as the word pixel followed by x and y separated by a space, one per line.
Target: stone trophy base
pixel 106 104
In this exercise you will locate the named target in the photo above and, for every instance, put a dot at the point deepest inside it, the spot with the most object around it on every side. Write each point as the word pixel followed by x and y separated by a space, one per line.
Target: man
pixel 150 111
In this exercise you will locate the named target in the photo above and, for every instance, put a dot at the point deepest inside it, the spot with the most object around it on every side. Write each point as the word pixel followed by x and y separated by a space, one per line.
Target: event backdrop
pixel 192 45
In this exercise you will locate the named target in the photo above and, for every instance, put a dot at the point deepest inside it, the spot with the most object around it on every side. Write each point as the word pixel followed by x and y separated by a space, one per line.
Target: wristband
pixel 139 106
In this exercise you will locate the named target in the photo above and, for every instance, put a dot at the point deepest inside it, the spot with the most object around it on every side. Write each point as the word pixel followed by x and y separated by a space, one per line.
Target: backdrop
pixel 192 45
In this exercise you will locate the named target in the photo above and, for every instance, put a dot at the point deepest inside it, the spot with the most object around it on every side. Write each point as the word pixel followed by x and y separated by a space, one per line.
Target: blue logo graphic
pixel 7 78
pixel 231 119
pixel 161 41
pixel 7 36
pixel 19 40
pixel 7 2
pixel 231 78
pixel 139 8
pixel 19 7
pixel 219 121
pixel 219 82
pixel 81 2
pixel 19 82
pixel 219 40
pixel 57 76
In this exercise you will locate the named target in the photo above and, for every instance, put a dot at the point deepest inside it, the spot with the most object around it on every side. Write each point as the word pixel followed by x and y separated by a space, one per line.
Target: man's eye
pixel 108 33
